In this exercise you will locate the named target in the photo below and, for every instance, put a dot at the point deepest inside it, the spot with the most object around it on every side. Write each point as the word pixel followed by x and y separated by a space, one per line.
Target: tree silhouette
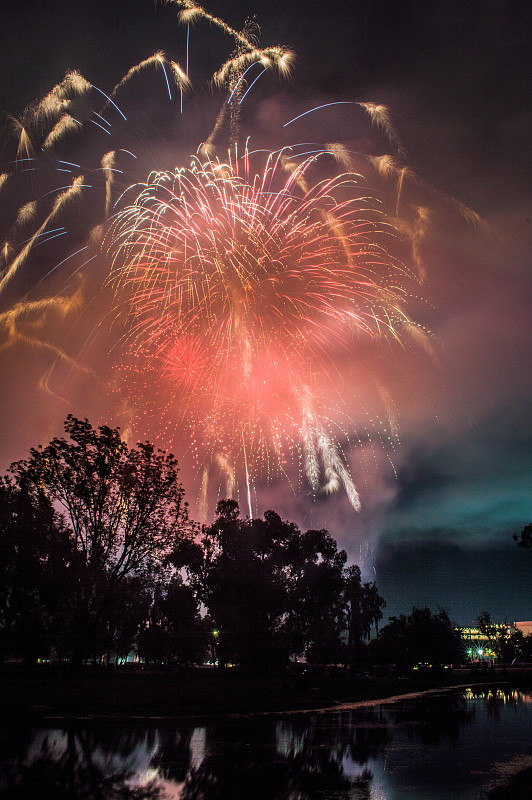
pixel 525 538
pixel 316 613
pixel 34 553
pixel 123 510
pixel 270 589
pixel 80 766
pixel 372 605
pixel 486 625
pixel 175 631
pixel 363 608
pixel 92 534
pixel 240 579
pixel 419 637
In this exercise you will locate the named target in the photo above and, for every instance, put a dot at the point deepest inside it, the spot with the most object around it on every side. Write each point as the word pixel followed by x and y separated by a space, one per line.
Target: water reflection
pixel 436 722
pixel 57 764
pixel 302 757
pixel 428 748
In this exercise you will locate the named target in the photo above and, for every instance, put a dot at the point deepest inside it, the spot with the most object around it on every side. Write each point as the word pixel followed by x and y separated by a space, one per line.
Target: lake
pixel 442 746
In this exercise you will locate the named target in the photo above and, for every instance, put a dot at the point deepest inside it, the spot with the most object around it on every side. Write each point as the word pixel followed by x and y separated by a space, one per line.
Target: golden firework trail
pixel 157 60
pixel 381 116
pixel 70 194
pixel 246 288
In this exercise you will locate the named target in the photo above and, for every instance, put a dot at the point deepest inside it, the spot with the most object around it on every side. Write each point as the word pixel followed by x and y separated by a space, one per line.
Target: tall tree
pixel 372 605
pixel 239 576
pixel 525 538
pixel 175 631
pixel 363 608
pixel 268 587
pixel 34 553
pixel 353 609
pixel 419 637
pixel 486 626
pixel 316 613
pixel 123 508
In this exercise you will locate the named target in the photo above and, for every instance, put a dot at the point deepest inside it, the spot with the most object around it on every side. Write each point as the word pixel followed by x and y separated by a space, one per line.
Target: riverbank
pixel 46 692
pixel 515 780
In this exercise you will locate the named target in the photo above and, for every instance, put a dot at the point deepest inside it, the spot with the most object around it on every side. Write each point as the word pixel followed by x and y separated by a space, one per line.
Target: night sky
pixel 438 512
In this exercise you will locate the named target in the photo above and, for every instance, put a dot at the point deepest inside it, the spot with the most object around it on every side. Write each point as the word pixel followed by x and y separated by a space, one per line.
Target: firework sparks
pixel 244 289
pixel 69 195
pixel 242 284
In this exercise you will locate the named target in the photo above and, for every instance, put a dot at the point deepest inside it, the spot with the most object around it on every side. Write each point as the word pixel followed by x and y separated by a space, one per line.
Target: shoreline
pixel 197 718
pixel 206 697
pixel 199 694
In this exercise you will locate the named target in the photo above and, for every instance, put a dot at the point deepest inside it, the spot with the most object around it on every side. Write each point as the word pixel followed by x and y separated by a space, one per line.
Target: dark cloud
pixel 440 572
pixel 423 471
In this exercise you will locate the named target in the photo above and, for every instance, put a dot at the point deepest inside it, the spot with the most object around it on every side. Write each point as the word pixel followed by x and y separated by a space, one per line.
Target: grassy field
pixel 45 692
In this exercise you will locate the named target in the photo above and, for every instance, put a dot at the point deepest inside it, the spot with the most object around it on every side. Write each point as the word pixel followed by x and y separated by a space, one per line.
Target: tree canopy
pixel 98 555
pixel 273 590
pixel 122 511
pixel 525 537
pixel 421 636
pixel 34 553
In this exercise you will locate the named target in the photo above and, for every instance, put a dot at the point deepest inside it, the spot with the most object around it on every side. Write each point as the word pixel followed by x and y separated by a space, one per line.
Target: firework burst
pixel 247 288
pixel 242 290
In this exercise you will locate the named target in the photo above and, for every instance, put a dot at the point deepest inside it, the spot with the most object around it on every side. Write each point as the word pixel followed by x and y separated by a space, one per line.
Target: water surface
pixel 433 747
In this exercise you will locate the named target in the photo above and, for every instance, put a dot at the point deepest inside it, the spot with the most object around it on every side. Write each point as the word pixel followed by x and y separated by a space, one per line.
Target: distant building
pixel 478 644
pixel 524 627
